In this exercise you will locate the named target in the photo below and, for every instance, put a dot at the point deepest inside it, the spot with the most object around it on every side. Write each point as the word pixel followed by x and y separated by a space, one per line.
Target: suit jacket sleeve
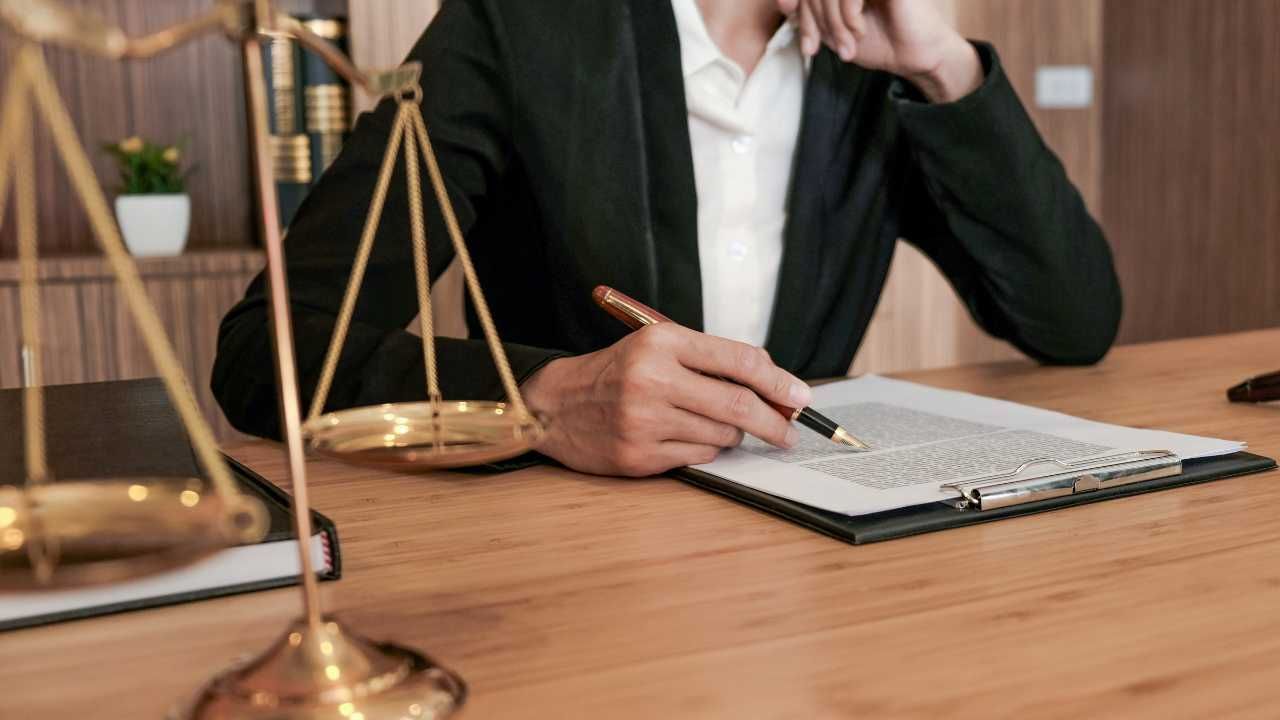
pixel 994 209
pixel 467 106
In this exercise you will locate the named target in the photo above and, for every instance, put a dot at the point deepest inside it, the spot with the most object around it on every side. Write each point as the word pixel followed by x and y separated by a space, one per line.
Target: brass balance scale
pixel 79 532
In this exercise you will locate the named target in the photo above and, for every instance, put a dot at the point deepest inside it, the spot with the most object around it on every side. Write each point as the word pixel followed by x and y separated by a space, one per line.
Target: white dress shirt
pixel 742 130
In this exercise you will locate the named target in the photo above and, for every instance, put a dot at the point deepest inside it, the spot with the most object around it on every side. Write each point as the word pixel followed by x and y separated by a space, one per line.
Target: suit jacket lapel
pixel 670 190
pixel 827 104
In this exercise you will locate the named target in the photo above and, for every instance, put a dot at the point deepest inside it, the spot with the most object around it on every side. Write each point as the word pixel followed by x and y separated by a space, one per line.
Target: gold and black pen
pixel 636 315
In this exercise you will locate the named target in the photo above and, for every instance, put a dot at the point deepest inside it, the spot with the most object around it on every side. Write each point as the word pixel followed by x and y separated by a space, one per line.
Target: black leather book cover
pixel 130 429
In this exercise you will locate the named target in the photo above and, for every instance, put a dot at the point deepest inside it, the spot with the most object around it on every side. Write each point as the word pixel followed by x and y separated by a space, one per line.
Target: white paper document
pixel 923 438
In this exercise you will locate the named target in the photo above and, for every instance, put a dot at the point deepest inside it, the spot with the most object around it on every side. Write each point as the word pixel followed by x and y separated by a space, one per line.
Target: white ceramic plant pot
pixel 154 225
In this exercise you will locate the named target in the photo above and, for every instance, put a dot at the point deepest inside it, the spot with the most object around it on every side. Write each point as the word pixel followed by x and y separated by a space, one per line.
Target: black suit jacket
pixel 561 129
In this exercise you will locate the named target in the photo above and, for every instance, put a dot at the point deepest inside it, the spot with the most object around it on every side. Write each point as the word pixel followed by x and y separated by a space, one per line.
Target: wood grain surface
pixel 561 595
pixel 1192 170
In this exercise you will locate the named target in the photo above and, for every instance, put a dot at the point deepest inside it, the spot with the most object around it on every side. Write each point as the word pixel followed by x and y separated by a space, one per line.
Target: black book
pixel 130 429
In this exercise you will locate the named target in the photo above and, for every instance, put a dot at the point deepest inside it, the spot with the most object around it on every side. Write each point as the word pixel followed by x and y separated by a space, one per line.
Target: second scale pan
pixel 410 437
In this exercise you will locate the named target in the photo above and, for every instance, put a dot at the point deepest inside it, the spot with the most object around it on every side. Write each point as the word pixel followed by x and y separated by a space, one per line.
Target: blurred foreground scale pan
pixel 104 531
pixel 414 436
pixel 90 532
pixel 57 533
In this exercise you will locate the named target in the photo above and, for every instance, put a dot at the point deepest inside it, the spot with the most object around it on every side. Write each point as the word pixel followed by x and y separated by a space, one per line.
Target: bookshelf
pixel 89 335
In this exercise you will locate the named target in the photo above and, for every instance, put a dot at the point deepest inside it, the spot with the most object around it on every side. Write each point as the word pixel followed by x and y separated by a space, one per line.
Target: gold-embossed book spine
pixel 327 97
pixel 290 144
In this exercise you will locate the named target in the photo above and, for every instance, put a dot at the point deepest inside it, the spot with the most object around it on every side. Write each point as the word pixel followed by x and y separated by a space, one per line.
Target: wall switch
pixel 1064 86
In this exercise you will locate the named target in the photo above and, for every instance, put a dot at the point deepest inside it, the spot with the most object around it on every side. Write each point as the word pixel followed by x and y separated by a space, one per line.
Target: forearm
pixel 376 366
pixel 1036 266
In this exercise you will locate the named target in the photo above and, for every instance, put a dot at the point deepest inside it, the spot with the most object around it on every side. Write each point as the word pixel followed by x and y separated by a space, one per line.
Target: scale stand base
pixel 333 674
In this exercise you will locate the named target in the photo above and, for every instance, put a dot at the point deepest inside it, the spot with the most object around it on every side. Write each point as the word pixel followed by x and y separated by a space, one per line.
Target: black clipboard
pixel 932 517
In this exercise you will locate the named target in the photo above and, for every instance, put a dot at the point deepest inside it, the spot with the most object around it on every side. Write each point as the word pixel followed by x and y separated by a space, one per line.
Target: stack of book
pixel 310 110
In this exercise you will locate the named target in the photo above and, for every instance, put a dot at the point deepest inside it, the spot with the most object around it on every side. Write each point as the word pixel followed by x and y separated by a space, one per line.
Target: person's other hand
pixel 649 403
pixel 908 38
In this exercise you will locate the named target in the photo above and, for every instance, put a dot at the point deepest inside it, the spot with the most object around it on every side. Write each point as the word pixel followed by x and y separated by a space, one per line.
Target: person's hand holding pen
pixel 648 403
pixel 667 396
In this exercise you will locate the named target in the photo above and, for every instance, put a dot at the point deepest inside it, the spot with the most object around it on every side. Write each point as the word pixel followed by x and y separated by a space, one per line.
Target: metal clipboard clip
pixel 1078 476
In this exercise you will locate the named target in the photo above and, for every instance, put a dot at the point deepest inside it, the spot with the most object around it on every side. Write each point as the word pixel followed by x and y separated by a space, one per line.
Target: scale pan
pixel 110 530
pixel 406 437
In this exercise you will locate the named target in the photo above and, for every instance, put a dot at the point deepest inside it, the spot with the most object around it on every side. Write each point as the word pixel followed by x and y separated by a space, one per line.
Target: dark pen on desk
pixel 635 315
pixel 1264 388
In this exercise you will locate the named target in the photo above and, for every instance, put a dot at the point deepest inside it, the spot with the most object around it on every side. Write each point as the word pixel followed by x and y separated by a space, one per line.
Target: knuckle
pixel 636 380
pixel 747 359
pixel 730 436
pixel 740 402
pixel 781 385
pixel 654 338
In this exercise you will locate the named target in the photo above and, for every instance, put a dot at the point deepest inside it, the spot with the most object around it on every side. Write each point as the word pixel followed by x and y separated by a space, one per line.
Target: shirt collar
pixel 698 50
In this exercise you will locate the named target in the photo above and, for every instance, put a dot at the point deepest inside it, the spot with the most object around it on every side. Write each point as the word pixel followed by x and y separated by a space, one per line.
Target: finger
pixel 685 426
pixel 810 38
pixel 674 453
pixel 744 364
pixel 818 10
pixel 853 17
pixel 734 405
pixel 839 32
pixel 650 459
pixel 787 7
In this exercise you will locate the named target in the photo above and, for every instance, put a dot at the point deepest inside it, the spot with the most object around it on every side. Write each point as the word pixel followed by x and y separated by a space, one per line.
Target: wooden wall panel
pixel 1192 171
pixel 193 94
pixel 89 333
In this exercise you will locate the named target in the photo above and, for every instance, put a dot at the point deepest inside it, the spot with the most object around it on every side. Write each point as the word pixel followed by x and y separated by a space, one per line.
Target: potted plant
pixel 152 207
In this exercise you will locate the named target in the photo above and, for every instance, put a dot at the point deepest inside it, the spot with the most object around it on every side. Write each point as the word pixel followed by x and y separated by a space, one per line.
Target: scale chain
pixel 343 323
pixel 468 269
pixel 80 171
pixel 410 128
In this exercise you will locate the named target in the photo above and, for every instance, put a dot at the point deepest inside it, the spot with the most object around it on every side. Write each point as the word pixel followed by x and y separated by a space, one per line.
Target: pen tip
pixel 843 437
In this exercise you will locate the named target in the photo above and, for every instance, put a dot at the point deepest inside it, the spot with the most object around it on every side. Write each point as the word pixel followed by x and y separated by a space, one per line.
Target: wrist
pixel 957 73
pixel 538 389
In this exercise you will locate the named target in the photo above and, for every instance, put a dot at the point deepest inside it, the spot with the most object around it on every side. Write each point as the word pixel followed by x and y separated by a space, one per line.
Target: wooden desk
pixel 559 595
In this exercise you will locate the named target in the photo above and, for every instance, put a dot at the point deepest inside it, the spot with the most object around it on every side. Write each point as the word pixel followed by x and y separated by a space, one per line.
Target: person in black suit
pixel 590 142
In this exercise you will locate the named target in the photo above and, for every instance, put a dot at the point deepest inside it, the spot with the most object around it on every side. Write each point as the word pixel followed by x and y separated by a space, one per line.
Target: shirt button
pixel 742 144
pixel 738 250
